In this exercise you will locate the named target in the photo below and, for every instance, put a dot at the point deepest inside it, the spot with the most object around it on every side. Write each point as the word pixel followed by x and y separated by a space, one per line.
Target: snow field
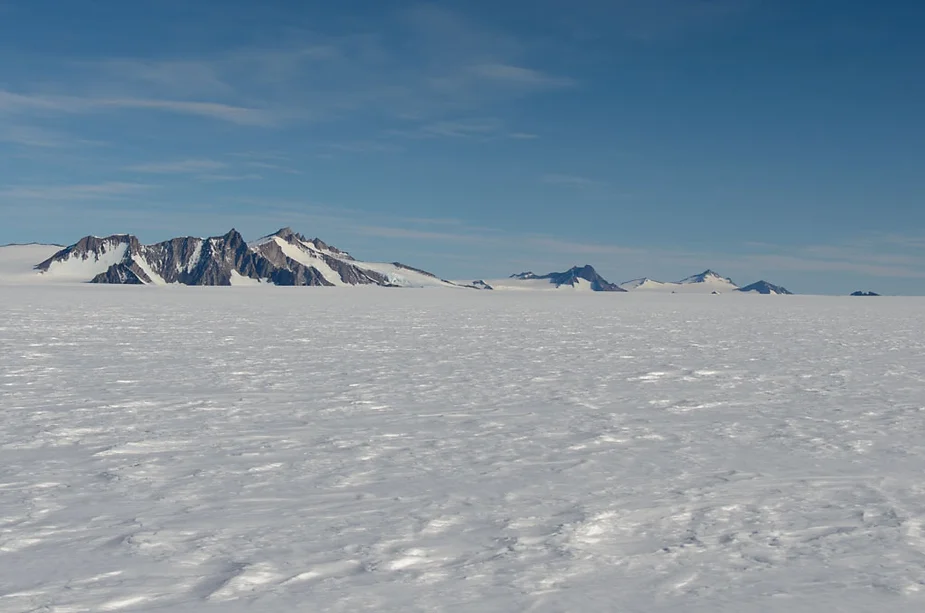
pixel 284 449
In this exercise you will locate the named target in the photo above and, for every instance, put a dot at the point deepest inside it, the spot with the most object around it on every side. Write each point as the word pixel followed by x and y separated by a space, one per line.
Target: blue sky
pixel 764 139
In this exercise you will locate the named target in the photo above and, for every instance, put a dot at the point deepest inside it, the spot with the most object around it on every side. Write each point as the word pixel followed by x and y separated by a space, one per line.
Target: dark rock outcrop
pixel 860 293
pixel 572 276
pixel 763 287
pixel 586 272
pixel 123 274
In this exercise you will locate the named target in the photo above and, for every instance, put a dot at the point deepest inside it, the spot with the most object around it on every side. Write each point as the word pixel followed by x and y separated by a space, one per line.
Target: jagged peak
pixel 586 269
pixel 704 276
pixel 764 287
pixel 287 234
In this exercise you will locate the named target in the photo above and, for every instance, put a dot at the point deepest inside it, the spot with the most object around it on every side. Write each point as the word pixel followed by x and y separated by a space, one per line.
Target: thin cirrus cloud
pixel 191 166
pixel 225 178
pixel 518 75
pixel 33 136
pixel 485 236
pixel 12 102
pixel 568 180
pixel 447 66
pixel 484 129
pixel 111 189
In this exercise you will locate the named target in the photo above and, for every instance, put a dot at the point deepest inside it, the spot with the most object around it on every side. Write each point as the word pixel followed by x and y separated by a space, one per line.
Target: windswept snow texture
pixel 359 450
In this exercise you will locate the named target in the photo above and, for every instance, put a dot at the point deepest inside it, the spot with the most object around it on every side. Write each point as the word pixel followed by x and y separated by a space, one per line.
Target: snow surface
pixel 222 449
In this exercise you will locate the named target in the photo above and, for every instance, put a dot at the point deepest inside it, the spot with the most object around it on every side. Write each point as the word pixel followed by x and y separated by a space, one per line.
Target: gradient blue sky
pixel 778 139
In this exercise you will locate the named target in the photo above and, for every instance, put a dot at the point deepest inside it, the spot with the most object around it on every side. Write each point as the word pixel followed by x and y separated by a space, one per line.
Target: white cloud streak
pixel 110 189
pixel 178 167
pixel 13 102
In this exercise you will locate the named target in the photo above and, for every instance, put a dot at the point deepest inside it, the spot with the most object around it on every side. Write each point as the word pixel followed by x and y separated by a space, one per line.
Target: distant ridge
pixel 32 244
pixel 575 278
pixel 707 282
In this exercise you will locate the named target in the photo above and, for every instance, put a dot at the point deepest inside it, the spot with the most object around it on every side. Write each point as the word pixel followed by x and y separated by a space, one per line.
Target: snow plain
pixel 292 449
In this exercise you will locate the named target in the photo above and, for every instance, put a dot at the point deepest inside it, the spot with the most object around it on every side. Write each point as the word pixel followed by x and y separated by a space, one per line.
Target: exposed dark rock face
pixel 859 293
pixel 571 277
pixel 526 276
pixel 308 275
pixel 763 287
pixel 123 274
pixel 479 284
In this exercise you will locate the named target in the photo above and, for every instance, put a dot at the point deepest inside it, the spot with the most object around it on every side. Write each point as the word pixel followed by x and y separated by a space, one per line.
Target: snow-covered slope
pixel 17 262
pixel 578 278
pixel 338 267
pixel 282 258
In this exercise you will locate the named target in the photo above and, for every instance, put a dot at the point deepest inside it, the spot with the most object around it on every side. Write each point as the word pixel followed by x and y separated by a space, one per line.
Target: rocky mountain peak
pixel 586 272
pixel 94 248
pixel 707 276
pixel 289 235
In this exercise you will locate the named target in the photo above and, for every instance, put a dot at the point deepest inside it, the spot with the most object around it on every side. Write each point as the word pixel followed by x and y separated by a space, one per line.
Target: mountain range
pixel 288 258
pixel 706 282
pixel 282 258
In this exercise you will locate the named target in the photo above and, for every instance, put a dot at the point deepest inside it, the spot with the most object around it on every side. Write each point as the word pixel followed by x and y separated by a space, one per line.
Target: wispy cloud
pixel 365 146
pixel 426 65
pixel 224 178
pixel 181 77
pixel 74 192
pixel 13 102
pixel 653 21
pixel 32 136
pixel 462 128
pixel 568 180
pixel 518 75
pixel 275 167
pixel 580 248
pixel 405 233
pixel 205 169
pixel 479 128
pixel 795 263
pixel 178 167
